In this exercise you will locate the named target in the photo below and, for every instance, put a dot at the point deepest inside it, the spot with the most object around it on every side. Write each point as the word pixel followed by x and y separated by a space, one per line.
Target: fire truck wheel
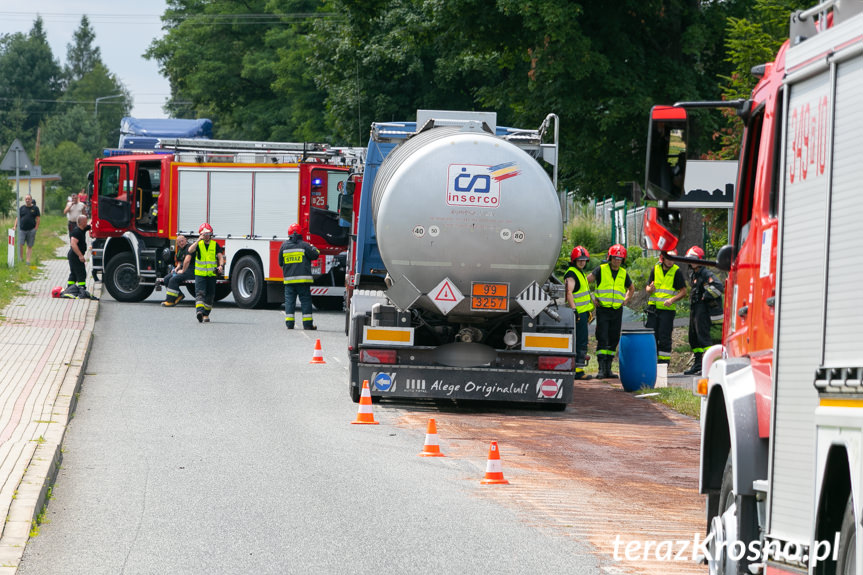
pixel 355 393
pixel 847 541
pixel 740 525
pixel 247 283
pixel 122 281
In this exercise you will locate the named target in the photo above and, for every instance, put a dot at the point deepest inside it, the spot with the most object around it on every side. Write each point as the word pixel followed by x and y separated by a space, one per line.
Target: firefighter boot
pixel 696 365
pixel 604 366
pixel 307 324
pixel 608 373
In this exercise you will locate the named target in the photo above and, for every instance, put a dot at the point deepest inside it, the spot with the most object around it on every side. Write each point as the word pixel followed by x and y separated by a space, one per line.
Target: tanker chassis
pixel 457 229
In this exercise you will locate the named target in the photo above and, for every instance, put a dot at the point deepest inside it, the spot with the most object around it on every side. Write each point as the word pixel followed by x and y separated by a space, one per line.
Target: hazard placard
pixel 445 296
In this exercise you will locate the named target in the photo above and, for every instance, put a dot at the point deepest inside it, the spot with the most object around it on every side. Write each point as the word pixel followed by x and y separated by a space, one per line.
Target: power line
pixel 232 19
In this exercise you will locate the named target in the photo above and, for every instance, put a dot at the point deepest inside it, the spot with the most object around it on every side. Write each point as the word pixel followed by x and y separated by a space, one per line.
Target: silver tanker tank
pixel 463 204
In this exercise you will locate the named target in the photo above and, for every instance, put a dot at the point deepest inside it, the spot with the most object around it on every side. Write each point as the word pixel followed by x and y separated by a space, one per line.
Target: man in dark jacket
pixel 705 299
pixel 296 257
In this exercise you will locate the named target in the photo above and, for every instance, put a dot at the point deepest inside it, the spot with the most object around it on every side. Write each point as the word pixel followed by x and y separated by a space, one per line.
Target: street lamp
pixel 96 107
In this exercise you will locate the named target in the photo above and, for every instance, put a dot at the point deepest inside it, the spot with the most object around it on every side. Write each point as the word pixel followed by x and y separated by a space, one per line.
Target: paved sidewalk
pixel 44 346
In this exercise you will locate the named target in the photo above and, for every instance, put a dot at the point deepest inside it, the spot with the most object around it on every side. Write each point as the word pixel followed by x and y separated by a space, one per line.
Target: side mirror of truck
pixel 346 205
pixel 661 229
pixel 724 258
pixel 666 153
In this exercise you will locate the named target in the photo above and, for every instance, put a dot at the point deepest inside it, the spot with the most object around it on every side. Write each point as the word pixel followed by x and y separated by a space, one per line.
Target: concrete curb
pixel 43 465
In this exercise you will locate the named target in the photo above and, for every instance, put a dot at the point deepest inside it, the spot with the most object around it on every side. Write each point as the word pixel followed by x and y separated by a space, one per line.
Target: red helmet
pixel 56 291
pixel 617 251
pixel 579 253
pixel 205 229
pixel 695 252
pixel 294 229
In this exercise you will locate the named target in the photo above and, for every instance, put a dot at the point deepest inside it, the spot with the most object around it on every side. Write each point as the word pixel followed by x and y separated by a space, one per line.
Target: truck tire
pixel 247 283
pixel 845 565
pixel 741 526
pixel 122 281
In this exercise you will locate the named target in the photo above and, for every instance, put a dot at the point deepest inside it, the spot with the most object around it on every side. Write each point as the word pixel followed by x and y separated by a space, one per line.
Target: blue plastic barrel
pixel 637 356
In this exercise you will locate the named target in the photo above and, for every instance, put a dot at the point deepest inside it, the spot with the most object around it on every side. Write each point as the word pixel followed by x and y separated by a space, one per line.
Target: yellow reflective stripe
pixel 292 257
pixel 299 280
pixel 545 341
pixel 841 403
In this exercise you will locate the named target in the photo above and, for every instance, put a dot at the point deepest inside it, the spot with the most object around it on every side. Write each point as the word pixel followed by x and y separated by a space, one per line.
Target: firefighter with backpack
pixel 705 299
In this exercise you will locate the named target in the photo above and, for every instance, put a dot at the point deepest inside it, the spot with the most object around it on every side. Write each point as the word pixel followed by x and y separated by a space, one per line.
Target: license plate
pixel 489 296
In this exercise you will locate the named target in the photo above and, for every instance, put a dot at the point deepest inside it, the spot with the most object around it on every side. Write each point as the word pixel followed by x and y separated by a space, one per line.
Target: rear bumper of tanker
pixel 422 381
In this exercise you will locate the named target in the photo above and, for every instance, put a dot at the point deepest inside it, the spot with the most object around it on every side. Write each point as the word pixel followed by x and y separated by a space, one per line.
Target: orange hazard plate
pixel 489 296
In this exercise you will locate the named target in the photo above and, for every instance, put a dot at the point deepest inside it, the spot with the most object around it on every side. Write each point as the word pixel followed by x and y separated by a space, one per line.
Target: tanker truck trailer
pixel 451 292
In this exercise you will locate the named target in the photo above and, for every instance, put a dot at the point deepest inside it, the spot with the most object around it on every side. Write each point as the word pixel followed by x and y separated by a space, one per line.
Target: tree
pixel 81 56
pixel 29 80
pixel 216 55
pixel 7 196
pixel 98 83
pixel 72 163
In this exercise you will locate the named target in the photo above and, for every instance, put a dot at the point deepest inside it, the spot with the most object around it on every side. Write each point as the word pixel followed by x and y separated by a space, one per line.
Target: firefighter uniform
pixel 660 315
pixel 583 306
pixel 611 290
pixel 705 298
pixel 209 259
pixel 296 257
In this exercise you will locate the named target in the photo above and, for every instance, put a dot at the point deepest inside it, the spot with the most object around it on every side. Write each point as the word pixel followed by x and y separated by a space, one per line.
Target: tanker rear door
pixel 113 192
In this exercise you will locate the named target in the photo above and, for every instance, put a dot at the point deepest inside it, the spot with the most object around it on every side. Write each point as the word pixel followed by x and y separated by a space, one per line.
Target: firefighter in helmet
pixel 209 259
pixel 705 299
pixel 614 289
pixel 296 257
pixel 579 299
pixel 665 286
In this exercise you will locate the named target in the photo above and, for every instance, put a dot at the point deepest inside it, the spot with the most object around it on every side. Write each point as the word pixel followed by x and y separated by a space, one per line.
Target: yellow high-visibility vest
pixel 581 292
pixel 611 291
pixel 664 284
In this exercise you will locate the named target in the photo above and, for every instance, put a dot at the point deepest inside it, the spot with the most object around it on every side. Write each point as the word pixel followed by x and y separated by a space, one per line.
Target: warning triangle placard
pixel 445 293
pixel 445 296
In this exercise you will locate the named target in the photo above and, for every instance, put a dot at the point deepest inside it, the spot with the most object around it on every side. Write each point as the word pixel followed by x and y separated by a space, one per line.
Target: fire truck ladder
pixel 269 152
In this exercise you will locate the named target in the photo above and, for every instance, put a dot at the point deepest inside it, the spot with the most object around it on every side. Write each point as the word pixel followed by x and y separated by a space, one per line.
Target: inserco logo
pixel 477 186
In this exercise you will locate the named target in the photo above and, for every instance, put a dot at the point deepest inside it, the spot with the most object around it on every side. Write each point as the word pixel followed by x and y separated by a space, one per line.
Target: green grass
pixel 51 235
pixel 680 400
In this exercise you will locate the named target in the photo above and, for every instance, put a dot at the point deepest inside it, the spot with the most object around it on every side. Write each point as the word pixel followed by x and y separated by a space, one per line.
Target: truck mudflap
pixel 533 386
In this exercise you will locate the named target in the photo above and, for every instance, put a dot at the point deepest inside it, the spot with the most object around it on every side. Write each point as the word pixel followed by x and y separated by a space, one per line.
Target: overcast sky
pixel 124 30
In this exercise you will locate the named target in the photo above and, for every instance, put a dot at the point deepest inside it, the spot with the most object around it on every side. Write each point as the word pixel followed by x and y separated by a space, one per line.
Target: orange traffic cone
pixel 318 356
pixel 364 413
pixel 431 447
pixel 493 470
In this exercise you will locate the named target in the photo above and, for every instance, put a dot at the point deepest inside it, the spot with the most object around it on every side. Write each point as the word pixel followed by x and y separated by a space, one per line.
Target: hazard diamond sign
pixel 445 296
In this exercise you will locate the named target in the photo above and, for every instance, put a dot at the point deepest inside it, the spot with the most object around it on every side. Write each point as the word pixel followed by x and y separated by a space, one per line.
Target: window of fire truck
pixel 748 172
pixel 326 187
pixel 109 182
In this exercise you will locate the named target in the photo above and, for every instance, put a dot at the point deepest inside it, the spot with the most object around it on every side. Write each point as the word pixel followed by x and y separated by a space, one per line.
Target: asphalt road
pixel 217 448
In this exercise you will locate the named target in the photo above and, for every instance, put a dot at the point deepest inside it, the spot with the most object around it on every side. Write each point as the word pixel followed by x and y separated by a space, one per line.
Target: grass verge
pixel 51 235
pixel 679 399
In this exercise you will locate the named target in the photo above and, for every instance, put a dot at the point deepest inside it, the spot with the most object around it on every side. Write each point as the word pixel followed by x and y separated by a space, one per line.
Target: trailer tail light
pixel 700 387
pixel 317 266
pixel 555 363
pixel 377 356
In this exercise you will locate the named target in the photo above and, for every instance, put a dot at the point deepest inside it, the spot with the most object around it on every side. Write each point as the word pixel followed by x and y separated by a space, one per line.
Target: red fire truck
pixel 250 192
pixel 782 398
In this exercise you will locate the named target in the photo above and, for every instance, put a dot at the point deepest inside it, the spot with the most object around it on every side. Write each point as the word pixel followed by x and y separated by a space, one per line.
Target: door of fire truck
pixel 113 198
